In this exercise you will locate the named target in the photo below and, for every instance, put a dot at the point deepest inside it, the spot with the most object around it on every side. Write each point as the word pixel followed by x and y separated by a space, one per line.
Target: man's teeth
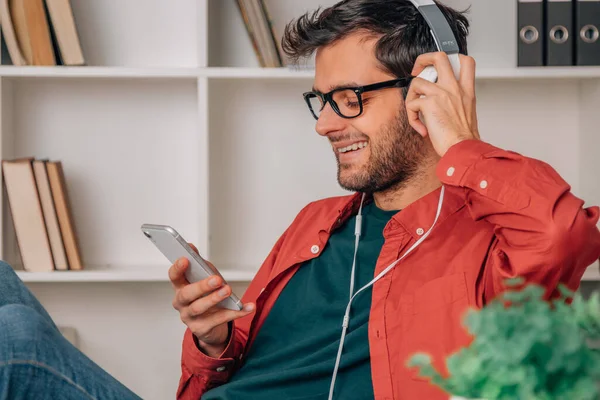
pixel 354 146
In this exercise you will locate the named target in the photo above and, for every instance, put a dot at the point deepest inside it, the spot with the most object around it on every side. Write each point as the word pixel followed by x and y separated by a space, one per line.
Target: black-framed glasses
pixel 347 102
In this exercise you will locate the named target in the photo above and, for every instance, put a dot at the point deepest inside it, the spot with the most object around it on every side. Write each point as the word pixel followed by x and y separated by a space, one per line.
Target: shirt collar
pixel 416 218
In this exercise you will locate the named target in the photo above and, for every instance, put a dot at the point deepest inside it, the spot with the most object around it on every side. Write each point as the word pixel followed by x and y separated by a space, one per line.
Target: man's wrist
pixel 213 351
pixel 210 350
pixel 457 140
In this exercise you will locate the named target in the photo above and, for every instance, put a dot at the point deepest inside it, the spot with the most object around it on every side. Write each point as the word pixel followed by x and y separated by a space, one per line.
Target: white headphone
pixel 445 41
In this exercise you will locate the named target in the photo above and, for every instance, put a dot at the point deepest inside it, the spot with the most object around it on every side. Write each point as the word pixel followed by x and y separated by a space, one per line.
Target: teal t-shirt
pixel 294 352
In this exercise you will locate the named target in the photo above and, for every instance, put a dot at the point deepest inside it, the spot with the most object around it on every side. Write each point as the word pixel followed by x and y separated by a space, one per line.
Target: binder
pixel 559 33
pixel 530 25
pixel 587 26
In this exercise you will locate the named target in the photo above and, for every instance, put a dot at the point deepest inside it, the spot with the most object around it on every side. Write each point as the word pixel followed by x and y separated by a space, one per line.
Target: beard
pixel 394 159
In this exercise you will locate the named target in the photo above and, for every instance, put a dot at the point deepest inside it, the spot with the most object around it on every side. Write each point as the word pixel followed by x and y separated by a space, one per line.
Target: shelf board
pixel 150 73
pixel 574 72
pixel 265 73
pixel 120 274
pixel 98 72
pixel 254 73
pixel 482 74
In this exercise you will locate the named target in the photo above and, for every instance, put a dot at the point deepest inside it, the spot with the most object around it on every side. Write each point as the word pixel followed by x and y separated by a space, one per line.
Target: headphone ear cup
pixel 429 74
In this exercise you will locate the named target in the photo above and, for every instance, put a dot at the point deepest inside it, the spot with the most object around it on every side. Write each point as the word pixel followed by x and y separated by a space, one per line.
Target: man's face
pixel 393 148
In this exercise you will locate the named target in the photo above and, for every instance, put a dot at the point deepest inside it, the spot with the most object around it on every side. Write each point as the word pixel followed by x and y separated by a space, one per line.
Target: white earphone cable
pixel 357 230
pixel 346 320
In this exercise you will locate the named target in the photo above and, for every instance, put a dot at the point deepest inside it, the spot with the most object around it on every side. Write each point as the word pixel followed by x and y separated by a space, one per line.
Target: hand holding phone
pixel 207 304
pixel 198 308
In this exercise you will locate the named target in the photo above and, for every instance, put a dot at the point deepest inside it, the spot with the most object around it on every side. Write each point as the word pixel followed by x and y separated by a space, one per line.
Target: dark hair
pixel 403 32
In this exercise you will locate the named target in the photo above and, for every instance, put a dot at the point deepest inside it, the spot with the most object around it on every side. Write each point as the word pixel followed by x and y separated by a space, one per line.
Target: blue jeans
pixel 36 361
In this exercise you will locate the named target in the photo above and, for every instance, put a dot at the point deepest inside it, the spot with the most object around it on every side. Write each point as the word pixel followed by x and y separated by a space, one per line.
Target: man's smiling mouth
pixel 352 147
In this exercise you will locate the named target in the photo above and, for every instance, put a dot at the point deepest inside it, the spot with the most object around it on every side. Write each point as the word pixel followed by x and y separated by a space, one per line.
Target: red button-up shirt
pixel 504 215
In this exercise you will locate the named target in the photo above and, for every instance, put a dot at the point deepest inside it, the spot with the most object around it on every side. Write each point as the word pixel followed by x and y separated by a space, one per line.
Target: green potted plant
pixel 525 347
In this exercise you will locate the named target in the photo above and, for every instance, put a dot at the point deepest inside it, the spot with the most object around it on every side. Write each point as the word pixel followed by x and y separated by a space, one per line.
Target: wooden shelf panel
pixel 266 73
pixel 98 72
pixel 120 274
pixel 482 74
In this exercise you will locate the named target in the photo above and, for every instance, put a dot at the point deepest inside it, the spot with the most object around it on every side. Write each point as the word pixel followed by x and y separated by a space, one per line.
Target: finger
pixel 440 61
pixel 467 75
pixel 196 291
pixel 421 87
pixel 200 305
pixel 203 326
pixel 225 315
pixel 414 112
pixel 194 248
pixel 177 273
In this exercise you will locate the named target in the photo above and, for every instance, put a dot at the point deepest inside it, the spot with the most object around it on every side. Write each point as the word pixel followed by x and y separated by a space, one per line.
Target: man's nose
pixel 329 121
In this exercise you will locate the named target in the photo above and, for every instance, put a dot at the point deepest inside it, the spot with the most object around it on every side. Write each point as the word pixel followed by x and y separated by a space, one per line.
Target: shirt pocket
pixel 433 319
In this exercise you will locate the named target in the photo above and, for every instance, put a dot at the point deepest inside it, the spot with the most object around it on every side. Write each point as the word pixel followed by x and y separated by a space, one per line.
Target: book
pixel 38 32
pixel 250 30
pixel 50 216
pixel 27 215
pixel 262 36
pixel 274 37
pixel 64 29
pixel 59 190
pixel 9 35
pixel 17 13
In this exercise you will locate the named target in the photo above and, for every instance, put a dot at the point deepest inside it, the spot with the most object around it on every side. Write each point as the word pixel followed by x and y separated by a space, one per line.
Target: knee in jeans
pixel 5 268
pixel 8 276
pixel 22 323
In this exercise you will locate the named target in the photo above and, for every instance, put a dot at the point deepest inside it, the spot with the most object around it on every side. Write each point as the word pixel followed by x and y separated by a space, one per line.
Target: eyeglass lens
pixel 347 102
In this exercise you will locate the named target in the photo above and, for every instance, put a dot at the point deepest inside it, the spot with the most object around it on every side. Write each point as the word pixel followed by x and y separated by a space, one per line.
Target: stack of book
pixel 260 29
pixel 40 32
pixel 41 214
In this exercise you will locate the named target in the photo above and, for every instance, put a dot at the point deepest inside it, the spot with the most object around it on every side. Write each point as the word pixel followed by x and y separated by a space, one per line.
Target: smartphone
pixel 173 246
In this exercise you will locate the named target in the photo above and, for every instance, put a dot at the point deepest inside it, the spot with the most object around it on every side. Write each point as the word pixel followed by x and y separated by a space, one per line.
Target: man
pixel 502 215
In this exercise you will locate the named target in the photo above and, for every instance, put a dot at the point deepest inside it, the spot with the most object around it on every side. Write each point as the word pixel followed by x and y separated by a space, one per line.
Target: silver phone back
pixel 173 246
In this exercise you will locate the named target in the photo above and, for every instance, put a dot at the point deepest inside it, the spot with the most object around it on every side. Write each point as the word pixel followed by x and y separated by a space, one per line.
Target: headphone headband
pixel 440 30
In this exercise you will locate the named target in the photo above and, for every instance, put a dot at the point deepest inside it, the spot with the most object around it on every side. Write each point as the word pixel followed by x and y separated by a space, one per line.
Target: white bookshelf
pixel 174 122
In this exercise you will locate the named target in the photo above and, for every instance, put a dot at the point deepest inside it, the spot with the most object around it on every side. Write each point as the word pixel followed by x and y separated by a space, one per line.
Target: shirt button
pixel 420 231
pixel 314 249
pixel 221 369
pixel 483 184
pixel 450 171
